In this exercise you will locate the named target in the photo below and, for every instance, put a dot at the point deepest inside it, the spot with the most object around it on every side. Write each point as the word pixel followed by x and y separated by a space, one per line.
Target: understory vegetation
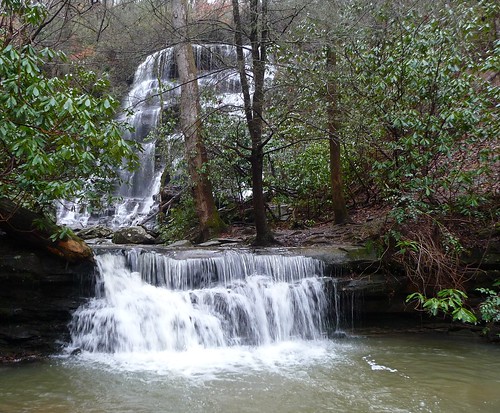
pixel 406 93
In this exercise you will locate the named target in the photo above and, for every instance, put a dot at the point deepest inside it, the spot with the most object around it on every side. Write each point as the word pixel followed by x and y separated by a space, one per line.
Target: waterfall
pixel 155 89
pixel 146 301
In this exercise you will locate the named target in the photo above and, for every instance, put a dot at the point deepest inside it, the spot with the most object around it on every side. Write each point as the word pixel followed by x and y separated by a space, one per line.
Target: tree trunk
pixel 190 121
pixel 254 107
pixel 36 230
pixel 339 206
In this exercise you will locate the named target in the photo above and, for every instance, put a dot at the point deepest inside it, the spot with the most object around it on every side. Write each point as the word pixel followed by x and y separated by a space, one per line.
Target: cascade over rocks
pixel 39 292
pixel 154 95
pixel 218 299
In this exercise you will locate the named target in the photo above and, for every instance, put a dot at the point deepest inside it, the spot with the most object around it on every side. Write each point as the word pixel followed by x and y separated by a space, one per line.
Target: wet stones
pixel 132 235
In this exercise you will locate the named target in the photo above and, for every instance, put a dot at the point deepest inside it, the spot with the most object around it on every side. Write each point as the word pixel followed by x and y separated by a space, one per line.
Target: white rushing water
pixel 155 91
pixel 149 304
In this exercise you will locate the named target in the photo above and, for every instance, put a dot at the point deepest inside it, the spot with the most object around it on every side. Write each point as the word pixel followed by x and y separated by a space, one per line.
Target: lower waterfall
pixel 201 331
pixel 148 302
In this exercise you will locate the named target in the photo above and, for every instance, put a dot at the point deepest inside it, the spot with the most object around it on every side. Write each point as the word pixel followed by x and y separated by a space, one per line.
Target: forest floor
pixel 366 224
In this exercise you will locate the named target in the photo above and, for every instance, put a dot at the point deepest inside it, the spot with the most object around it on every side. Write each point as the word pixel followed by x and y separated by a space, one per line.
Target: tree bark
pixel 191 126
pixel 339 205
pixel 34 229
pixel 253 106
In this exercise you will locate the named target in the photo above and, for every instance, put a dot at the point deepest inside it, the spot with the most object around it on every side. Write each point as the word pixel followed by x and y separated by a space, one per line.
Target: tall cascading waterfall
pixel 148 302
pixel 155 89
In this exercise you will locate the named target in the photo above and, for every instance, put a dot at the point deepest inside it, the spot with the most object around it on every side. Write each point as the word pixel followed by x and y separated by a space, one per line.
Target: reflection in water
pixel 383 374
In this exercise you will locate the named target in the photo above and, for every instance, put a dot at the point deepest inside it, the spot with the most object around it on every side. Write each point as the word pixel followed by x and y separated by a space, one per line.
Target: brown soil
pixel 367 224
pixel 364 225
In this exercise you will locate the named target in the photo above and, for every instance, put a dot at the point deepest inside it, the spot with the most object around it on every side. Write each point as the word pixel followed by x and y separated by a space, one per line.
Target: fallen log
pixel 28 227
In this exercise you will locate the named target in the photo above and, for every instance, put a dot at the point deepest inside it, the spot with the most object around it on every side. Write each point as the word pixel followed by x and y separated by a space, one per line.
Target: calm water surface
pixel 377 374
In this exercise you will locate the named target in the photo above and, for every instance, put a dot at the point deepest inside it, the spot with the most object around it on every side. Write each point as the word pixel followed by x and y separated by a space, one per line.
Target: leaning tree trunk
pixel 254 107
pixel 40 232
pixel 339 206
pixel 190 120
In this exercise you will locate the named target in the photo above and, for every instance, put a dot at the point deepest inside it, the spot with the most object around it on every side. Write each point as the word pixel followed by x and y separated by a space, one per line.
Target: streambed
pixel 240 332
pixel 357 374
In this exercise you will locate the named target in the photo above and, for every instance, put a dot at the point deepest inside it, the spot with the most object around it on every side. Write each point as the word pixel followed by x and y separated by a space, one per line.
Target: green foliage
pixel 417 117
pixel 58 139
pixel 490 307
pixel 427 117
pixel 448 302
pixel 227 139
pixel 304 170
pixel 63 234
pixel 451 302
pixel 405 246
pixel 299 110
pixel 428 112
pixel 181 220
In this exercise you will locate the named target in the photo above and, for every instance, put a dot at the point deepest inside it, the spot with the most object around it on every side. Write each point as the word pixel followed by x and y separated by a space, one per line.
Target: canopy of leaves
pixel 429 114
pixel 418 112
pixel 58 138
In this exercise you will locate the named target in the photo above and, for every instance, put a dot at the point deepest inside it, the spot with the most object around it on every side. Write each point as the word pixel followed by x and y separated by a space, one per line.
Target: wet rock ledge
pixel 39 292
pixel 37 296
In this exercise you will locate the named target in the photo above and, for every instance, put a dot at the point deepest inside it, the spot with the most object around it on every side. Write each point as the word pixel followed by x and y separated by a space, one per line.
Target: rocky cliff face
pixel 37 295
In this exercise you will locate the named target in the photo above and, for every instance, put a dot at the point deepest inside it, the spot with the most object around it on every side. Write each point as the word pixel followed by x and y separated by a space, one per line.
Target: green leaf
pixel 68 105
pixel 464 315
pixel 56 137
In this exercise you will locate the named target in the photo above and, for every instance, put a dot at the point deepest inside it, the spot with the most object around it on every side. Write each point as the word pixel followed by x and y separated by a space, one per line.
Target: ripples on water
pixel 256 348
pixel 386 374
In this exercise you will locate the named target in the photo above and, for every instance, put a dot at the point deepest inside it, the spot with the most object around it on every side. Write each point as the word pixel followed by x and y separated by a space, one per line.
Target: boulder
pixel 132 235
pixel 38 231
pixel 97 231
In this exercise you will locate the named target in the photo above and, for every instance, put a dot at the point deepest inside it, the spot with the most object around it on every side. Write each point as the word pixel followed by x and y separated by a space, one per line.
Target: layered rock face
pixel 38 293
